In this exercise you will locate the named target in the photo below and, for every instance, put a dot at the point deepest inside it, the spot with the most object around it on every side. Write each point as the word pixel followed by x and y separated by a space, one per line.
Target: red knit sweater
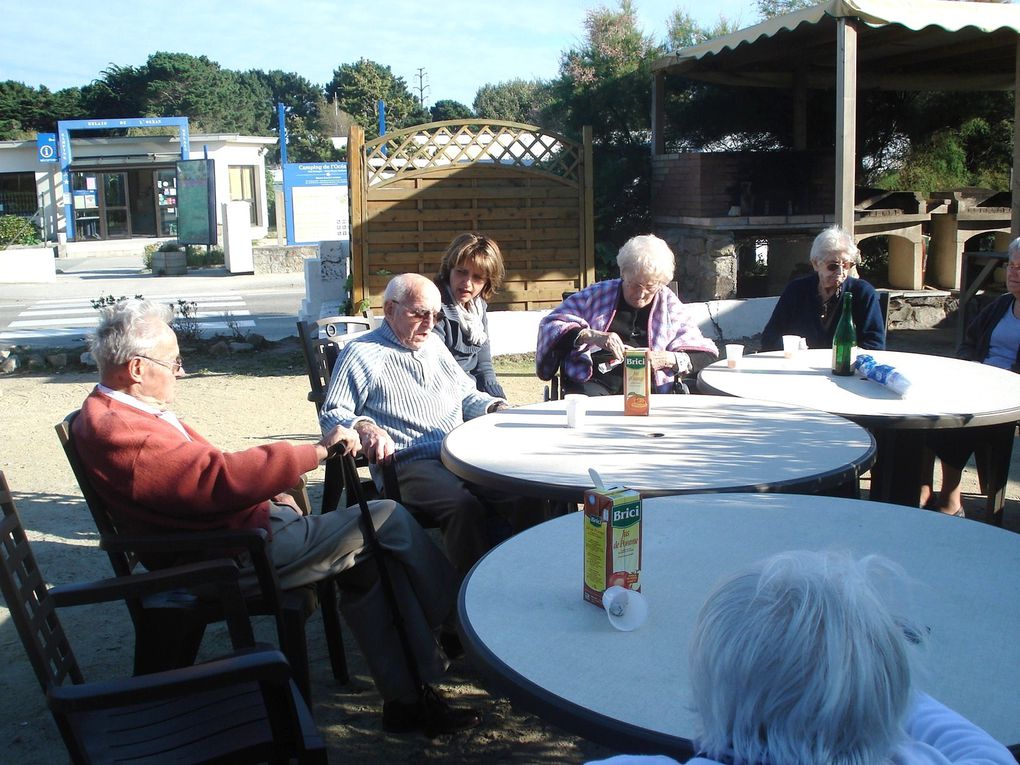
pixel 153 479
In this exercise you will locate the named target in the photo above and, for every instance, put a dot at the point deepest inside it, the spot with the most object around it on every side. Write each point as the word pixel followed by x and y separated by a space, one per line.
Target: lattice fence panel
pixel 414 190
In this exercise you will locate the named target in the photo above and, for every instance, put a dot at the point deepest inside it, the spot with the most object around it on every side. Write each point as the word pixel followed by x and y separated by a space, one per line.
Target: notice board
pixel 316 200
pixel 196 201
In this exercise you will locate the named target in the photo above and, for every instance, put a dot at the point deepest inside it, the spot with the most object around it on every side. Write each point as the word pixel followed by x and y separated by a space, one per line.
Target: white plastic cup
pixel 791 344
pixel 734 352
pixel 577 408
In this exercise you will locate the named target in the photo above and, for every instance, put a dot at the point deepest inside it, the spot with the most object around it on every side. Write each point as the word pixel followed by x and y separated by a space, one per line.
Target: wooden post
pixel 1014 185
pixel 658 114
pixel 800 109
pixel 356 181
pixel 588 212
pixel 846 121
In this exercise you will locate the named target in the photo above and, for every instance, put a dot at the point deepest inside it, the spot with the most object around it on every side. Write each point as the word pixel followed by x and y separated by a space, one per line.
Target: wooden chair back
pixel 321 352
pixel 160 718
pixel 31 610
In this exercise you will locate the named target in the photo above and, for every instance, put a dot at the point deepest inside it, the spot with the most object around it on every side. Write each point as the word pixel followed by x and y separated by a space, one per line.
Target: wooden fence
pixel 414 190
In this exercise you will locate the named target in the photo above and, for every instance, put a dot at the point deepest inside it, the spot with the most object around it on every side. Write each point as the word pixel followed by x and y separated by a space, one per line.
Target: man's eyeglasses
pixel 1014 267
pixel 421 314
pixel 839 265
pixel 174 366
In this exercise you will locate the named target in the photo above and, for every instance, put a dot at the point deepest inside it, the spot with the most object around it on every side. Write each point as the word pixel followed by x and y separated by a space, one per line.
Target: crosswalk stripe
pixel 63 318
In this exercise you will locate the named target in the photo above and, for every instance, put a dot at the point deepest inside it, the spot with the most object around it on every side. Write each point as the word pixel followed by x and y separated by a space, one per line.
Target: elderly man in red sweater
pixel 158 474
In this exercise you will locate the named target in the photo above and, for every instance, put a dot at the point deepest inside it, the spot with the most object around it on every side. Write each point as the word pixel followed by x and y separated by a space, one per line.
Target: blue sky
pixel 461 44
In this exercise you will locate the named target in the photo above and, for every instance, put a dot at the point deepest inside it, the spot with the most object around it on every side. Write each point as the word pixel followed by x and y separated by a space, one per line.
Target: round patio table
pixel 687 444
pixel 944 393
pixel 526 627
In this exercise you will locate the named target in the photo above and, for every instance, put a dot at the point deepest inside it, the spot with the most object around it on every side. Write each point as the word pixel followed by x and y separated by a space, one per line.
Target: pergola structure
pixel 848 47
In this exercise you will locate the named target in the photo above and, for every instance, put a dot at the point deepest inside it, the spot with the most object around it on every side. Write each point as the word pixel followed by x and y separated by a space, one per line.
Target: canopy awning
pixel 902 45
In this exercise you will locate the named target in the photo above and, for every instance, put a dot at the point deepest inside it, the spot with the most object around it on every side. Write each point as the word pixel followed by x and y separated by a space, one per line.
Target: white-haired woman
pixel 801 660
pixel 811 305
pixel 587 333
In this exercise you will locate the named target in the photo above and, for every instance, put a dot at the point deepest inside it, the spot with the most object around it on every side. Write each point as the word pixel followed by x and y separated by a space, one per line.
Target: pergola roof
pixel 902 45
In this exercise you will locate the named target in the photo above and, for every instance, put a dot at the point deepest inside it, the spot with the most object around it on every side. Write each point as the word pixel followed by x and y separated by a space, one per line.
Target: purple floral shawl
pixel 670 328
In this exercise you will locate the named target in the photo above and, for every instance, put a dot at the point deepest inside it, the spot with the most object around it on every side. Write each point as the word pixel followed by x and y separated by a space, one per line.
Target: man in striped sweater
pixel 402 391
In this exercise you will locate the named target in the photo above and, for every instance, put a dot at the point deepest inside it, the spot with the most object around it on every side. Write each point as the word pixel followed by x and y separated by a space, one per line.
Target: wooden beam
pixel 800 109
pixel 846 121
pixel 658 114
pixel 1014 184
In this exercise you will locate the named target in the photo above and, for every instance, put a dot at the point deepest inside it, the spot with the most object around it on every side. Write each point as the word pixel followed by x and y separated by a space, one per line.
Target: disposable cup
pixel 734 352
pixel 791 344
pixel 577 408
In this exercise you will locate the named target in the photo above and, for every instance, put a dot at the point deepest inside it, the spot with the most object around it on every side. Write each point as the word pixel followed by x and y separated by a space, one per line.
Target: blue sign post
pixel 65 127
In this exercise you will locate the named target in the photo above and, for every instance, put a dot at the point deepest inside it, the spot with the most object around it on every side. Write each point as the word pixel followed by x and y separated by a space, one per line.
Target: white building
pixel 124 188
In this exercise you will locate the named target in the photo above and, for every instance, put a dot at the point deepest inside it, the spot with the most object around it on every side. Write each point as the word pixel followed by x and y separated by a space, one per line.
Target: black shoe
pixel 431 714
pixel 452 647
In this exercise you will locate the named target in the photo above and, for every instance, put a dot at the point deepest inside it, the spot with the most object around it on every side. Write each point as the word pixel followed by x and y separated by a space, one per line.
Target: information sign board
pixel 316 199
pixel 196 201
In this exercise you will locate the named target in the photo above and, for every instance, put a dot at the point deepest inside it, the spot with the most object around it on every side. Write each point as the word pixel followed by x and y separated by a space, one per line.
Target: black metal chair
pixel 239 709
pixel 169 630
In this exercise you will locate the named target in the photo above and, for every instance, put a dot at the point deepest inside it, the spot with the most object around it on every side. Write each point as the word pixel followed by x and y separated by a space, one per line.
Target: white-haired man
pixel 402 391
pixel 157 474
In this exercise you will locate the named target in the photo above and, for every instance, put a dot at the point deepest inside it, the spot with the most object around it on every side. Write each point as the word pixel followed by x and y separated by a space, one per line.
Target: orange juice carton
pixel 637 383
pixel 612 541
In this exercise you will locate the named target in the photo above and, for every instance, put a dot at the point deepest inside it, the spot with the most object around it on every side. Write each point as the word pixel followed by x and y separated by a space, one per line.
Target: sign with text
pixel 46 144
pixel 316 201
pixel 196 201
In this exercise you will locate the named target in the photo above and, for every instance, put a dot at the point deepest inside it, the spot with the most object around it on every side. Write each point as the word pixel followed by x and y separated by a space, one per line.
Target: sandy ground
pixel 235 412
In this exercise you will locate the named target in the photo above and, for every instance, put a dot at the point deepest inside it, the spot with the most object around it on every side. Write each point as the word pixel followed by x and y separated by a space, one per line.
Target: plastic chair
pixel 169 630
pixel 243 708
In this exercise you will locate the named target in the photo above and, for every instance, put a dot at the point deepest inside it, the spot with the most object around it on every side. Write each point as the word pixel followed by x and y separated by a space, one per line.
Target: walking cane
pixel 353 484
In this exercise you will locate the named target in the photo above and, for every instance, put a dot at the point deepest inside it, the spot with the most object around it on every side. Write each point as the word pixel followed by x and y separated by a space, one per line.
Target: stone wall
pixel 282 259
pixel 706 261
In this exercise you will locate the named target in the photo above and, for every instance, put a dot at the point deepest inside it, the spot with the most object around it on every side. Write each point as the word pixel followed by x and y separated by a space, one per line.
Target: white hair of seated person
pixel 400 286
pixel 646 257
pixel 128 328
pixel 799 660
pixel 834 240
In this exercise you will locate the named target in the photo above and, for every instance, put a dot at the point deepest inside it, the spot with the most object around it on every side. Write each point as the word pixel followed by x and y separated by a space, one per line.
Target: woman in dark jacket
pixel 993 338
pixel 810 307
pixel 471 272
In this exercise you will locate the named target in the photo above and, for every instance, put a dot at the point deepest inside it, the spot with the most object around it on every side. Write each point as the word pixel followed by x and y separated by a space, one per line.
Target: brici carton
pixel 636 381
pixel 612 541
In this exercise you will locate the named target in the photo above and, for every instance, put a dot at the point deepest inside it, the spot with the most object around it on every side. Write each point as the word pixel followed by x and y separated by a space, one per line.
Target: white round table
pixel 687 444
pixel 525 625
pixel 945 393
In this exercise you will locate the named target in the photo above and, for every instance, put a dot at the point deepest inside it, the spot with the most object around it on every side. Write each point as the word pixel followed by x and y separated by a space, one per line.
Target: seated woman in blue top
pixel 993 338
pixel 471 272
pixel 811 306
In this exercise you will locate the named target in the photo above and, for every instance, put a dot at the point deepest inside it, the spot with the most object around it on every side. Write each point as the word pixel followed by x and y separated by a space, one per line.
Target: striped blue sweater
pixel 415 396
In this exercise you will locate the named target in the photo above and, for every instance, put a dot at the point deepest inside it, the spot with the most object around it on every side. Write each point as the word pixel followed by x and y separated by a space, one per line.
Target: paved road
pixel 61 313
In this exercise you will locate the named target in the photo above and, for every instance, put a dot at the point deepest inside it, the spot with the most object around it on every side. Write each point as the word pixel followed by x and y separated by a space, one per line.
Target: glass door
pixel 115 206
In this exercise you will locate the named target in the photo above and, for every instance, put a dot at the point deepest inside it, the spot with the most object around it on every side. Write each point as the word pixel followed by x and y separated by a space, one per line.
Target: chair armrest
pixel 214 544
pixel 251 541
pixel 221 574
pixel 264 666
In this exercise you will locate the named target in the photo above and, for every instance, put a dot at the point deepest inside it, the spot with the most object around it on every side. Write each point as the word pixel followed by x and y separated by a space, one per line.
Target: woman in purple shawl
pixel 588 332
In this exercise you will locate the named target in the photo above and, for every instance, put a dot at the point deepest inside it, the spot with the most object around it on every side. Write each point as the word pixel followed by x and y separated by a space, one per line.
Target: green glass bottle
pixel 845 339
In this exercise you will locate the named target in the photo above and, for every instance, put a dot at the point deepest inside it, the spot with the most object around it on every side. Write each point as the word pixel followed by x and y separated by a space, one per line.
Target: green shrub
pixel 147 252
pixel 170 247
pixel 199 257
pixel 15 229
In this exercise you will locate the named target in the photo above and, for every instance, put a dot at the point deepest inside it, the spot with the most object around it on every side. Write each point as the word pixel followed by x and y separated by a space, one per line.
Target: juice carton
pixel 637 384
pixel 612 541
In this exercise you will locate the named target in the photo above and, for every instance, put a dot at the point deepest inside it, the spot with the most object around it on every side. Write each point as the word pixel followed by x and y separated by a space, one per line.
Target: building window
pixel 242 188
pixel 18 194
